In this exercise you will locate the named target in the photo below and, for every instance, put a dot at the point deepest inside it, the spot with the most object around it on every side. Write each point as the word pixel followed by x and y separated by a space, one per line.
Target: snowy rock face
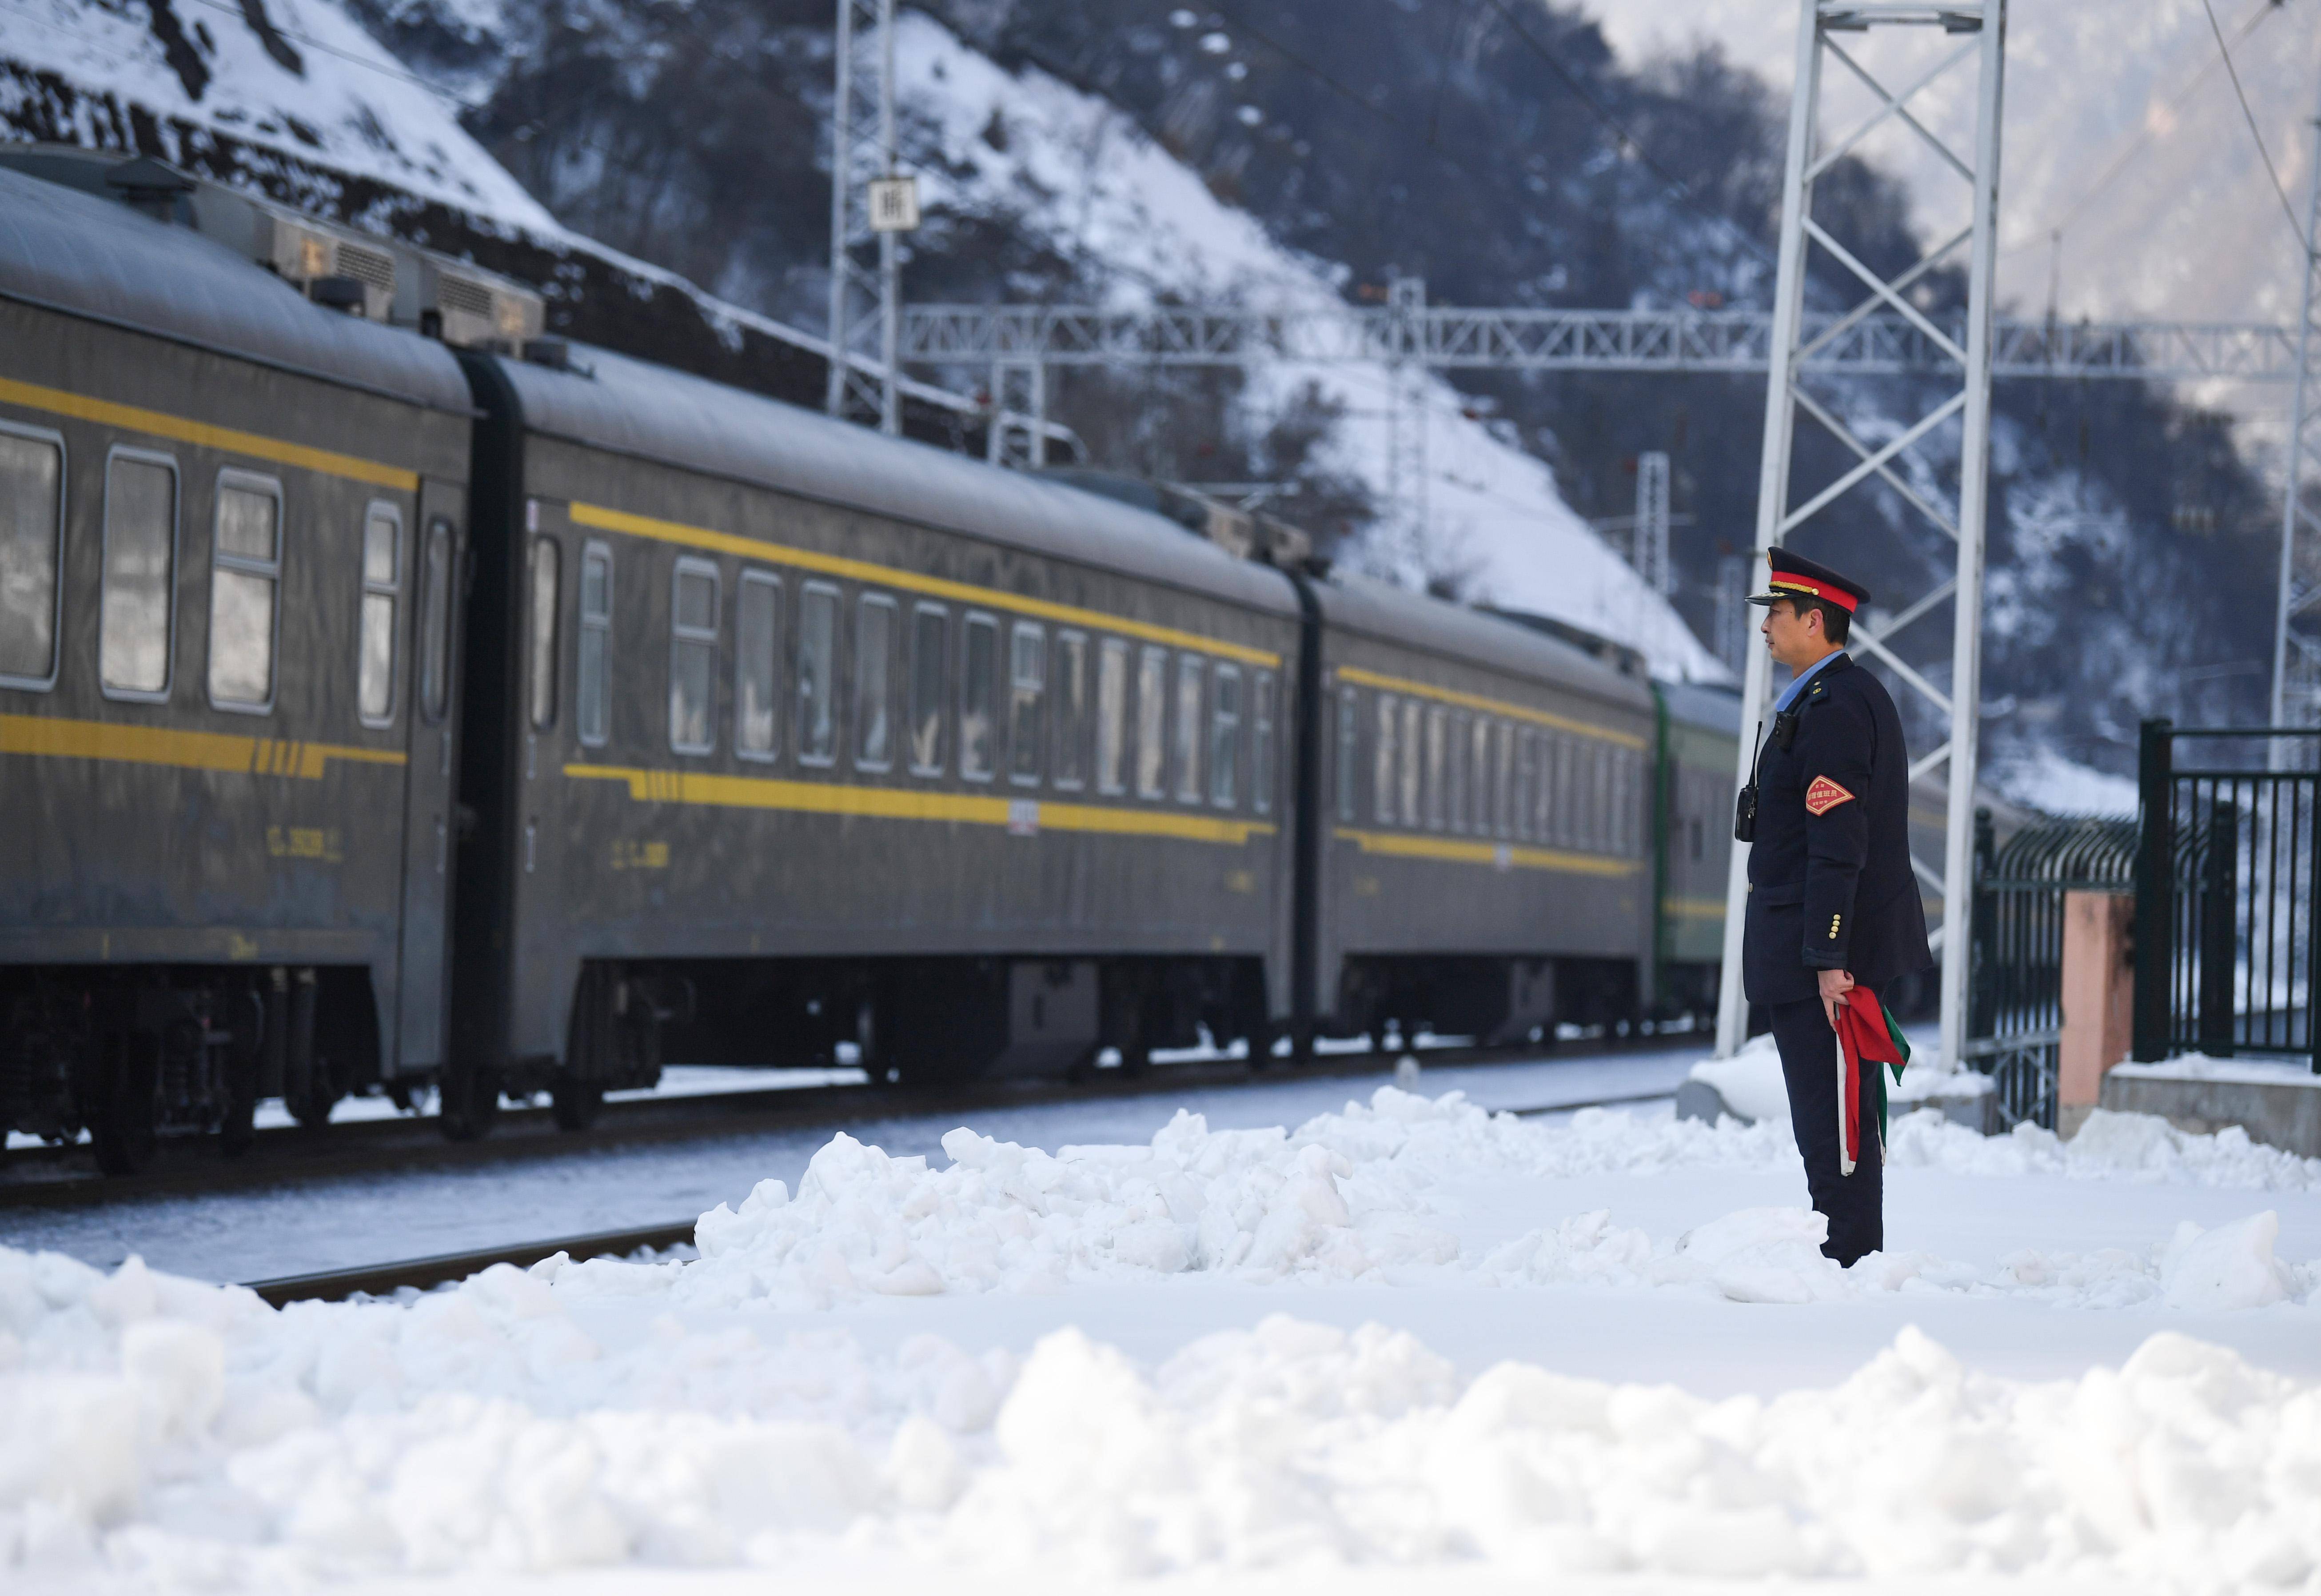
pixel 295 76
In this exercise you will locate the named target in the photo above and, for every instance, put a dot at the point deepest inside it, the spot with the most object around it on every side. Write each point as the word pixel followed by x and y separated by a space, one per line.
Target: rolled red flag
pixel 1865 1035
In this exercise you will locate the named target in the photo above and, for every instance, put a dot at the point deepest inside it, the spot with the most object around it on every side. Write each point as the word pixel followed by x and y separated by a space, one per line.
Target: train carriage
pixel 229 533
pixel 1485 869
pixel 802 739
pixel 1699 733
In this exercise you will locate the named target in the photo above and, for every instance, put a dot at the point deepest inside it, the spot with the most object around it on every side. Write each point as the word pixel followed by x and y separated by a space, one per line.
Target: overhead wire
pixel 2265 11
pixel 2287 210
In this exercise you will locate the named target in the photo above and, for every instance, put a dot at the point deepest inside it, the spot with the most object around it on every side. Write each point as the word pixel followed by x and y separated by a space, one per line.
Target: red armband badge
pixel 1824 796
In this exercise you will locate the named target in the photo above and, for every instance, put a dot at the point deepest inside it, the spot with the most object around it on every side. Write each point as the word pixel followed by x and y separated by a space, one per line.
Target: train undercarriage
pixel 132 1055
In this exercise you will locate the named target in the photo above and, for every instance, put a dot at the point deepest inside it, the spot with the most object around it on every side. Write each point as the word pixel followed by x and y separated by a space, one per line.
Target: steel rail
pixel 66 1176
pixel 381 1280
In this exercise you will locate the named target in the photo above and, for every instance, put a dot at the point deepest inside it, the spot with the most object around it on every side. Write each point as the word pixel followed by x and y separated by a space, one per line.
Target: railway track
pixel 67 1176
pixel 383 1280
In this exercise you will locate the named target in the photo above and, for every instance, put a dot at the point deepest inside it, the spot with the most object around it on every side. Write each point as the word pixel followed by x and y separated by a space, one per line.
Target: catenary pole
pixel 2296 458
pixel 1980 27
pixel 1772 491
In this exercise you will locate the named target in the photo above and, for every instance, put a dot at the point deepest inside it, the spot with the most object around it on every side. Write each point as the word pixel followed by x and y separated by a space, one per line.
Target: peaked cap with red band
pixel 1795 577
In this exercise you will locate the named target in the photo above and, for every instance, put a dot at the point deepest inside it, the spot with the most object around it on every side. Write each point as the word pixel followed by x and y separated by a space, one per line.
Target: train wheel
pixel 125 1129
pixel 577 1102
pixel 471 1101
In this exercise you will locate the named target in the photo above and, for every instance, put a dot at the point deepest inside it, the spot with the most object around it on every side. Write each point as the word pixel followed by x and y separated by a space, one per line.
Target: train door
pixel 431 812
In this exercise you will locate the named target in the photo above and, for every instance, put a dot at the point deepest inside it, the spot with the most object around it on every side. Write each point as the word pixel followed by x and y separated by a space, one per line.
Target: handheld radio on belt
pixel 1744 810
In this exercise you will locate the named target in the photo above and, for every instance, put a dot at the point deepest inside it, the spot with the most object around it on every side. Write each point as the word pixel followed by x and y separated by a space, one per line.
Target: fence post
pixel 2155 889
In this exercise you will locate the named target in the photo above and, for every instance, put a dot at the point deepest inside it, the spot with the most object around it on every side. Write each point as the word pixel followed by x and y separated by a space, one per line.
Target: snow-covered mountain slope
pixel 299 77
pixel 2121 129
pixel 1076 171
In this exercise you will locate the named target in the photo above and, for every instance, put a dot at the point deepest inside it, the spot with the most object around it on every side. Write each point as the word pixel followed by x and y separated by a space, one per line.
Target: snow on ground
pixel 1078 171
pixel 1406 1336
pixel 2046 781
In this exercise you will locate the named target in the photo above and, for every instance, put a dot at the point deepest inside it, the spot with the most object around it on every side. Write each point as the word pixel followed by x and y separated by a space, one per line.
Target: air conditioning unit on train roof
pixel 467 306
pixel 333 265
pixel 383 280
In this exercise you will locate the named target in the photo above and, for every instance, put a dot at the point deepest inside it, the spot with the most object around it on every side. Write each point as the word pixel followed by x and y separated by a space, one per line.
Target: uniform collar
pixel 1790 693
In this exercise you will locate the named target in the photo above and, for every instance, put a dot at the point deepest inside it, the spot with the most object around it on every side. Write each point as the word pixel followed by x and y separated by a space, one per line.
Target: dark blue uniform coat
pixel 1830 886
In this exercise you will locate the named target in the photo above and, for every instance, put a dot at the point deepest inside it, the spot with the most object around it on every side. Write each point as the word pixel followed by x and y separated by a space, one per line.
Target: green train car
pixel 390 707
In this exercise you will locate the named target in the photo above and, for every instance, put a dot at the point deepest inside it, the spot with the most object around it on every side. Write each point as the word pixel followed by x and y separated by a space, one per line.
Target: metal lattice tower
pixel 1651 539
pixel 2297 626
pixel 1405 422
pixel 865 289
pixel 1980 27
pixel 1019 404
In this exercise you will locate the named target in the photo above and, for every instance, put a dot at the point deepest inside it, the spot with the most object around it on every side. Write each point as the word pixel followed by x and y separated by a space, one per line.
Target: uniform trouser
pixel 1855 1204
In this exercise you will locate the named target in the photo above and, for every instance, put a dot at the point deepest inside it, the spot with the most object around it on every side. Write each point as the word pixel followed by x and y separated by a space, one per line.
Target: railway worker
pixel 1832 902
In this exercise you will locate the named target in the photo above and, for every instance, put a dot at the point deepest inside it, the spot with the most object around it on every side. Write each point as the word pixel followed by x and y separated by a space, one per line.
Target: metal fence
pixel 2016 994
pixel 2227 958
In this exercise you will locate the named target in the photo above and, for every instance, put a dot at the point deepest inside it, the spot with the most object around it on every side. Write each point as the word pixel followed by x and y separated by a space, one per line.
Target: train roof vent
pixel 468 306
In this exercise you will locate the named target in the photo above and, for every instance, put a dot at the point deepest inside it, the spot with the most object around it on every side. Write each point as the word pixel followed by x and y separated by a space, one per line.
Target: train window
pixel 137 611
pixel 693 657
pixel 1152 723
pixel 382 582
pixel 874 696
pixel 1455 795
pixel 757 665
pixel 1189 728
pixel 1071 710
pixel 593 708
pixel 1599 797
pixel 1261 746
pixel 435 595
pixel 1483 778
pixel 1224 738
pixel 1503 806
pixel 929 662
pixel 1383 771
pixel 547 584
pixel 978 698
pixel 1519 796
pixel 1437 735
pixel 1699 847
pixel 817 674
pixel 1625 800
pixel 32 534
pixel 1412 753
pixel 1542 788
pixel 1112 715
pixel 1027 701
pixel 245 591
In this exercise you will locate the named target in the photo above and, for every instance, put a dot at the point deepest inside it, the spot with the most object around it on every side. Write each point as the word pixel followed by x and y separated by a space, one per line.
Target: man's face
pixel 1793 640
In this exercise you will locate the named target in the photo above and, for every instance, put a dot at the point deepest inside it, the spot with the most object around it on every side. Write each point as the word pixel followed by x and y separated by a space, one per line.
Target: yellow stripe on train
pixel 50 737
pixel 900 803
pixel 1395 844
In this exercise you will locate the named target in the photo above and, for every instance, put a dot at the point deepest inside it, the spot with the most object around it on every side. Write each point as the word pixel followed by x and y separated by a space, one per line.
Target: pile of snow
pixel 609 1412
pixel 182 1433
